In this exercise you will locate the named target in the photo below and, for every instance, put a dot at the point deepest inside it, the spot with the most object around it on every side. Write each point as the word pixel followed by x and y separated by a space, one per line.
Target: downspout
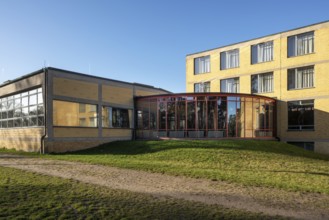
pixel 45 91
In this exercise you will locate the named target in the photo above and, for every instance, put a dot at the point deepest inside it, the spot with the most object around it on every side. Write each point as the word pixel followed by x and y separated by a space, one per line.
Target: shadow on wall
pixel 301 122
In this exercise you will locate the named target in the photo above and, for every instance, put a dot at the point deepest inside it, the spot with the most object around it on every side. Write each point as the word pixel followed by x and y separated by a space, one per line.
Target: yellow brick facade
pixel 279 66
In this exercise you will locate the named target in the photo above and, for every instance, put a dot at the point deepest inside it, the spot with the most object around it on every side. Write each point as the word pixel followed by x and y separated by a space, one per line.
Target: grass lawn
pixel 25 195
pixel 246 162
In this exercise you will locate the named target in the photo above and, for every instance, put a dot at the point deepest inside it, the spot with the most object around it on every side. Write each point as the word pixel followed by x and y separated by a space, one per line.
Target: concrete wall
pixel 279 66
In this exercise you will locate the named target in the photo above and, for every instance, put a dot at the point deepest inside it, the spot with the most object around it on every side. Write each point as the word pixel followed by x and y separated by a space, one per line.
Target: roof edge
pixel 228 45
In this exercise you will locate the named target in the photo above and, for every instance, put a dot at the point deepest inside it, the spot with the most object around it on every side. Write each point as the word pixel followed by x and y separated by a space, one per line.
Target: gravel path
pixel 256 199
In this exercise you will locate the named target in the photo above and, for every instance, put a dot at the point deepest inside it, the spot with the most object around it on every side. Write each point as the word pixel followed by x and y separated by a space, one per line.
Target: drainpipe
pixel 42 148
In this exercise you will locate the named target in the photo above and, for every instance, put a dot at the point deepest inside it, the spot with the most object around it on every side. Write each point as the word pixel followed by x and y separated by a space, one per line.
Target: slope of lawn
pixel 25 195
pixel 246 162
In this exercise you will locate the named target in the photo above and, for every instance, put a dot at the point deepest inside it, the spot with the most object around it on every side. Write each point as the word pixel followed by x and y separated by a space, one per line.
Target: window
pixel 305 145
pixel 229 59
pixel 22 109
pixel 262 52
pixel 300 78
pixel 117 117
pixel 301 44
pixel 72 114
pixel 202 65
pixel 230 85
pixel 202 87
pixel 301 115
pixel 262 83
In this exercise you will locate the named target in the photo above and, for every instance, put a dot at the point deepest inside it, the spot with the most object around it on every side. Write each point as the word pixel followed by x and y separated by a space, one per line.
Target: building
pixel 205 115
pixel 291 67
pixel 53 110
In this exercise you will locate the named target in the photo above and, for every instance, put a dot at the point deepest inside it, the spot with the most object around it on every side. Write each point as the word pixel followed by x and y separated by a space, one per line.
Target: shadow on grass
pixel 240 146
pixel 69 200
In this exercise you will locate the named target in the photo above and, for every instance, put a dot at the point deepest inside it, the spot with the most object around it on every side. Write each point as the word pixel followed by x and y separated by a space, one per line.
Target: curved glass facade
pixel 205 115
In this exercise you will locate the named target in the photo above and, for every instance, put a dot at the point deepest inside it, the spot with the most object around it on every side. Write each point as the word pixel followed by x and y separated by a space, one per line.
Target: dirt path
pixel 255 199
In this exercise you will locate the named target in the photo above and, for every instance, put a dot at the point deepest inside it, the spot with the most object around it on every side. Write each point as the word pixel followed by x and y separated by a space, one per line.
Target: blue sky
pixel 144 41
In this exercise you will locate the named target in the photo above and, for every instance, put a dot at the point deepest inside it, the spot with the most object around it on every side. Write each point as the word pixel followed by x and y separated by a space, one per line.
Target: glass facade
pixel 24 109
pixel 74 114
pixel 116 117
pixel 301 115
pixel 210 115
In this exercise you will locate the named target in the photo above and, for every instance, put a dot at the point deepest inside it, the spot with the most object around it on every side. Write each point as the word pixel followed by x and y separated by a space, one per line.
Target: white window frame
pixel 202 65
pixel 230 59
pixel 232 85
pixel 202 87
pixel 262 52
pixel 302 78
pixel 301 44
pixel 265 82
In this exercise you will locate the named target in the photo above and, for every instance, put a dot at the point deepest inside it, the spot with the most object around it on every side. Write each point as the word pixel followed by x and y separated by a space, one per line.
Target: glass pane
pixel 211 115
pixel 153 115
pixel 231 119
pixel 171 115
pixel 25 101
pixel 33 100
pixel 67 114
pixel 41 121
pixel 18 122
pixel 105 117
pixel 120 118
pixel 181 124
pixel 40 98
pixel 40 110
pixel 191 115
pixel 221 112
pixel 33 110
pixel 162 115
pixel 10 123
pixel 33 121
pixel 33 91
pixel 202 114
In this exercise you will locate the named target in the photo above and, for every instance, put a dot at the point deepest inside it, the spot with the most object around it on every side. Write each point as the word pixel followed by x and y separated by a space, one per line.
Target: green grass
pixel 25 195
pixel 246 162
pixel 255 163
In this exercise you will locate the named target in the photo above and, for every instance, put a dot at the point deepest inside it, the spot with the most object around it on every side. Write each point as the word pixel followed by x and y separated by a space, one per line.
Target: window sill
pixel 260 93
pixel 301 55
pixel 262 62
pixel 195 74
pixel 229 68
pixel 301 88
pixel 291 130
pixel 64 126
pixel 117 128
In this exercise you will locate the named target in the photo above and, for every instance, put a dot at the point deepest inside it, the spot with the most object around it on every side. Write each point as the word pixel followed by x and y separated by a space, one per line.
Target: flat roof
pixel 76 73
pixel 322 22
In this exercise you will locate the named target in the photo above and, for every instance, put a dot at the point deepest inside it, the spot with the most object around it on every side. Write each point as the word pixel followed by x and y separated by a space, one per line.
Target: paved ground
pixel 255 199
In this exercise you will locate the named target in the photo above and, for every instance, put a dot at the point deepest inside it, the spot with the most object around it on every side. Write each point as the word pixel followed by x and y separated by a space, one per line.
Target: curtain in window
pixel 232 85
pixel 305 44
pixel 262 52
pixel 301 44
pixel 265 82
pixel 202 87
pixel 202 65
pixel 232 59
pixel 301 78
pixel 265 52
pixel 229 59
pixel 262 83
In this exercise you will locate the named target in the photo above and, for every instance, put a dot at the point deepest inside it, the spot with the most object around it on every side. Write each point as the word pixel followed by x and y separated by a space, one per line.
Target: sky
pixel 142 41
